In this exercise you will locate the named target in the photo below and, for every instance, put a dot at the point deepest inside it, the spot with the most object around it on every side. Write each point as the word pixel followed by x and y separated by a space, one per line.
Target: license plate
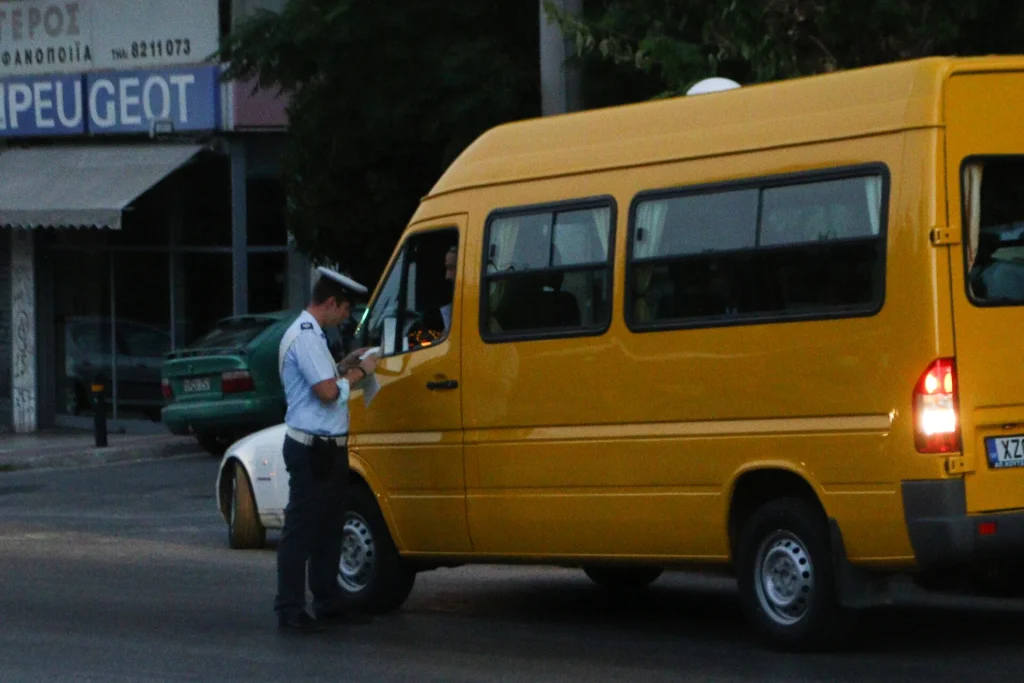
pixel 193 386
pixel 1005 451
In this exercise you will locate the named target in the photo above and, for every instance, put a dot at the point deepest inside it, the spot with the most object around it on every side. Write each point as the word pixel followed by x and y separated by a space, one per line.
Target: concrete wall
pixel 5 329
pixel 23 319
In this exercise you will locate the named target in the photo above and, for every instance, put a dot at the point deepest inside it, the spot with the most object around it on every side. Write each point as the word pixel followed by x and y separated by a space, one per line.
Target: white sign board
pixel 72 36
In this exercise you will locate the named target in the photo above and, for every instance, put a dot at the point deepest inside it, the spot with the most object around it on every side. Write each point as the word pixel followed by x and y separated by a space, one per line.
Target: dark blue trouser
pixel 313 525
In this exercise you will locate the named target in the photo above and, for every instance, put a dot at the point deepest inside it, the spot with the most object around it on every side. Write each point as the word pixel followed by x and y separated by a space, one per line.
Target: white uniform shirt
pixel 307 362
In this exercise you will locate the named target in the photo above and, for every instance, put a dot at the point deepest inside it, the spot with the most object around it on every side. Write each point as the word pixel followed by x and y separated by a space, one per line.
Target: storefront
pixel 140 202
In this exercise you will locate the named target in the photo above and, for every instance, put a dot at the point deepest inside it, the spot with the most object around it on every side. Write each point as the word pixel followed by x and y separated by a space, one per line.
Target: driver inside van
pixel 435 324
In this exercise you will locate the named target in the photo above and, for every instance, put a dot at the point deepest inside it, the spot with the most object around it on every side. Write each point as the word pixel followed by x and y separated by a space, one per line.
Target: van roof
pixel 853 103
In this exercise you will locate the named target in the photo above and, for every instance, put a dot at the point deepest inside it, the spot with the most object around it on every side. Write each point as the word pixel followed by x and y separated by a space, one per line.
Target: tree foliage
pixel 682 41
pixel 383 98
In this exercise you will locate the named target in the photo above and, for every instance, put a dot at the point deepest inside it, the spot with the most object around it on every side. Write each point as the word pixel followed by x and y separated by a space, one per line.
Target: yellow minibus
pixel 769 329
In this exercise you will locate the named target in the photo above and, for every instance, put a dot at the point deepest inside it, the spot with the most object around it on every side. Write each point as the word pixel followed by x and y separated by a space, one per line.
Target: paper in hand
pixel 370 389
pixel 352 360
pixel 369 384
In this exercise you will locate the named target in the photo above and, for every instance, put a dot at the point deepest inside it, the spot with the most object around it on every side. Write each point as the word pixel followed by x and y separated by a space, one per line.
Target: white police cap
pixel 346 282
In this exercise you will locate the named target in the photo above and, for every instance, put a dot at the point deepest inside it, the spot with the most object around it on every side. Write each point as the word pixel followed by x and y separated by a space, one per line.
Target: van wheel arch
pixel 755 488
pixel 368 481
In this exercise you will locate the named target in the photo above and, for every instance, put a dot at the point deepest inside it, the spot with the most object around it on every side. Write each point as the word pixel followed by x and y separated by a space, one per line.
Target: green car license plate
pixel 196 385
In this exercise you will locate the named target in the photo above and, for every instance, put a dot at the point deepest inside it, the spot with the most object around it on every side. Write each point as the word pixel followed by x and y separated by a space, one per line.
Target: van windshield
pixel 993 193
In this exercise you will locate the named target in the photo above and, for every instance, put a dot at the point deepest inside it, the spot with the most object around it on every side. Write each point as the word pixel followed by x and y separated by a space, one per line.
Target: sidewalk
pixel 67 448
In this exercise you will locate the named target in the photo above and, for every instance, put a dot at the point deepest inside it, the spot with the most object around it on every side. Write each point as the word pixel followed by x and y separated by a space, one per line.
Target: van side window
pixel 994 218
pixel 547 273
pixel 759 252
pixel 413 309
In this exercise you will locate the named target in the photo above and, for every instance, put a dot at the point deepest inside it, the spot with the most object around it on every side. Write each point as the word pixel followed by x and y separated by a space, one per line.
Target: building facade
pixel 140 201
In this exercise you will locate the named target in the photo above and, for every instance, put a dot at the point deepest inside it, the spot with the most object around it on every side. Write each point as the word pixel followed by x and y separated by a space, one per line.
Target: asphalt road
pixel 122 573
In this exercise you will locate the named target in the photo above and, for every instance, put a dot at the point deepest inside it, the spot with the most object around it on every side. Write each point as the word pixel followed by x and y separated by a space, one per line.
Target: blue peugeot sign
pixel 130 101
pixel 110 103
pixel 39 106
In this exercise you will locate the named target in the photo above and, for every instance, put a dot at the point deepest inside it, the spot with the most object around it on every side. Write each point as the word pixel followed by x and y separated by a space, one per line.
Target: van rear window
pixel 758 252
pixel 994 216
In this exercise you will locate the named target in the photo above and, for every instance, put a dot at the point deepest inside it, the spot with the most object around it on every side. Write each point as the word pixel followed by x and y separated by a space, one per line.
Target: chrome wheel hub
pixel 358 555
pixel 784 576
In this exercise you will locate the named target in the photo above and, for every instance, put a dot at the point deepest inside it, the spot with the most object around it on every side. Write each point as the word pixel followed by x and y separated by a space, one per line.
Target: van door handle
pixel 446 385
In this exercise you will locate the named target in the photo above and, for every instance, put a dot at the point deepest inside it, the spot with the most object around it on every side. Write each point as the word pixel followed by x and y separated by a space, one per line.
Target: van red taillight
pixel 936 419
pixel 168 392
pixel 236 382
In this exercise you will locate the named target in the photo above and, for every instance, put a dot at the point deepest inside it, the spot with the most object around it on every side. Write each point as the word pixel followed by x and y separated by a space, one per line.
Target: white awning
pixel 81 187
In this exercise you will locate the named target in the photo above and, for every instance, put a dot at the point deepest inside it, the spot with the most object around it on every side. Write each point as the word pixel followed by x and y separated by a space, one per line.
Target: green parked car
pixel 226 385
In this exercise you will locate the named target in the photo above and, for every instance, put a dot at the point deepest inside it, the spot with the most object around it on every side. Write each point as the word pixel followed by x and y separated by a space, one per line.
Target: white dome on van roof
pixel 714 84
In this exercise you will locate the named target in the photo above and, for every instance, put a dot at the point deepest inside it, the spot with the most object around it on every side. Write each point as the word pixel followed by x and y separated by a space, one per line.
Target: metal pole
pixel 113 338
pixel 239 228
pixel 99 414
pixel 171 265
pixel 561 89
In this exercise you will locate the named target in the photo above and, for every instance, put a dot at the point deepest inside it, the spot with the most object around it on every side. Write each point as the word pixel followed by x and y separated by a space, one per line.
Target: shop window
pixel 758 253
pixel 548 274
pixel 232 332
pixel 204 294
pixel 268 282
pixel 206 201
pixel 147 221
pixel 142 326
pixel 83 345
pixel 266 213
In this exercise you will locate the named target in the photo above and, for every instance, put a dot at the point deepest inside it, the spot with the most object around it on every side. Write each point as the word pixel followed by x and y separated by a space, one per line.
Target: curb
pixel 40 459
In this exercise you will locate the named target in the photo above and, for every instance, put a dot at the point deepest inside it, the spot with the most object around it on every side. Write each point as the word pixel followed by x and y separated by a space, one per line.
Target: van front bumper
pixel 942 534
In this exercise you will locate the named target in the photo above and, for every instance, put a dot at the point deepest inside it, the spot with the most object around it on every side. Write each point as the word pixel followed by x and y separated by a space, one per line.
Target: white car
pixel 252 487
pixel 252 493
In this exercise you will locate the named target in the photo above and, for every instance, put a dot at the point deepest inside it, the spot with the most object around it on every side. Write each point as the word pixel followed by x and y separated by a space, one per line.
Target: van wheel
pixel 786 579
pixel 372 575
pixel 245 531
pixel 623 578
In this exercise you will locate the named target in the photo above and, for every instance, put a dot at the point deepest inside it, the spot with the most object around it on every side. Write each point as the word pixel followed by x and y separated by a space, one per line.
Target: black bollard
pixel 99 415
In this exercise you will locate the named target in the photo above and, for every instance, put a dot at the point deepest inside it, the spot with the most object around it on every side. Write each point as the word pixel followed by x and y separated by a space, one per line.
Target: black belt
pixel 307 439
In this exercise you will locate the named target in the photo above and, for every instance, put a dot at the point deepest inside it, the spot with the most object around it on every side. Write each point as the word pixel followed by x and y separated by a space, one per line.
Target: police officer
pixel 316 457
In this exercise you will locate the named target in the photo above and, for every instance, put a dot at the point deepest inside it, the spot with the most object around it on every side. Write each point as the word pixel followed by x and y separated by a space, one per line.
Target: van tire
pixel 786 577
pixel 245 531
pixel 372 576
pixel 623 578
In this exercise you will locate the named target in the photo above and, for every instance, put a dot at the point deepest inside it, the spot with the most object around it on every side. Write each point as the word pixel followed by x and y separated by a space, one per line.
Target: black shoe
pixel 299 622
pixel 340 615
